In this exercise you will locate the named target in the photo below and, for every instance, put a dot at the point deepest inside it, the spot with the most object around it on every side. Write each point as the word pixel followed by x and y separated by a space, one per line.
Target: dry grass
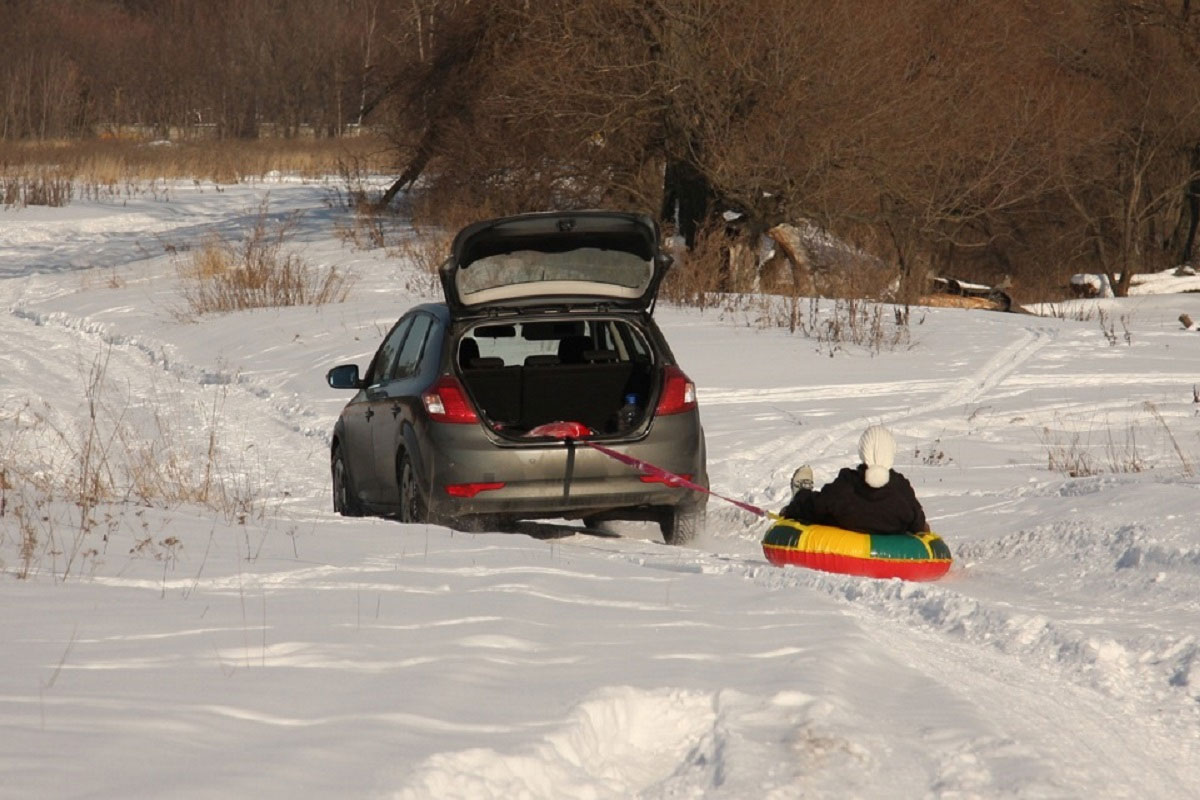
pixel 834 325
pixel 426 249
pixel 699 276
pixel 1185 463
pixel 1086 311
pixel 1104 448
pixel 1071 310
pixel 67 486
pixel 933 455
pixel 860 323
pixel 1068 453
pixel 1108 327
pixel 54 172
pixel 257 272
pixel 1042 286
pixel 223 161
pixel 43 188
pixel 723 273
pixel 367 229
pixel 434 226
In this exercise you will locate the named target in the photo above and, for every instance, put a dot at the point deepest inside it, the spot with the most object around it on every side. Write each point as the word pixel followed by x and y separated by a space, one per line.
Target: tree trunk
pixel 1193 200
pixel 788 238
pixel 1120 282
pixel 416 166
pixel 687 198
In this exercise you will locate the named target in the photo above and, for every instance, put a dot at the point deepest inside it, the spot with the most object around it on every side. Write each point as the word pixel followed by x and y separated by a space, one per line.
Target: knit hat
pixel 877 449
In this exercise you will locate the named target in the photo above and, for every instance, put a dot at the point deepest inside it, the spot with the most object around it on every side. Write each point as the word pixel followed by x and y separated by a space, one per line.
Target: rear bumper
pixel 561 479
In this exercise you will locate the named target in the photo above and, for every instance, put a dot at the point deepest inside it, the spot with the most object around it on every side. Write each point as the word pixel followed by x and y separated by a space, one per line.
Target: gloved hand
pixel 802 479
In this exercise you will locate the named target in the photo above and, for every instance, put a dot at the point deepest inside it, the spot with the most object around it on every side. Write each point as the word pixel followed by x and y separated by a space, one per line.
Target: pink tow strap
pixel 577 432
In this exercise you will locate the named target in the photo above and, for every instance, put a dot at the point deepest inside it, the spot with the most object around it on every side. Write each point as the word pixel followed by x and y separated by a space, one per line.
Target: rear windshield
pixel 538 342
pixel 583 271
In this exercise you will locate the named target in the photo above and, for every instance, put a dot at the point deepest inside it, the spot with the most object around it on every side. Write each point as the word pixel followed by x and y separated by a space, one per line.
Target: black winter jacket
pixel 848 502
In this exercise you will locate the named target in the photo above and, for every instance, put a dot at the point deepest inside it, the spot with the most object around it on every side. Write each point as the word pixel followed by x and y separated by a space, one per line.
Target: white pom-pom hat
pixel 877 449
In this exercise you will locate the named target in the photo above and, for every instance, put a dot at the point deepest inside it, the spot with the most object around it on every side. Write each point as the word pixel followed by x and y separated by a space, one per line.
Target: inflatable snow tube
pixel 908 556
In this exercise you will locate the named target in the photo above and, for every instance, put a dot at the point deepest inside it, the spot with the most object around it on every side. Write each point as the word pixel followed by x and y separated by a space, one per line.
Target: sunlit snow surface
pixel 305 655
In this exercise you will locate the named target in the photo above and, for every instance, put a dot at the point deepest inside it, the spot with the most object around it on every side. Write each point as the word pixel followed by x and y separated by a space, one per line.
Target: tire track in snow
pixel 1089 740
pixel 815 444
pixel 283 410
pixel 796 394
pixel 1040 678
pixel 139 372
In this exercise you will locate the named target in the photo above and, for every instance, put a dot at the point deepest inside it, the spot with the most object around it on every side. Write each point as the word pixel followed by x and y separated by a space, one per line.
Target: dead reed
pixel 54 172
pixel 259 271
pixel 69 484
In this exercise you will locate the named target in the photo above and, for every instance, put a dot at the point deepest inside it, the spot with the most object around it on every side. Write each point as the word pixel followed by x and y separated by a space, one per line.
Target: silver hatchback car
pixel 547 321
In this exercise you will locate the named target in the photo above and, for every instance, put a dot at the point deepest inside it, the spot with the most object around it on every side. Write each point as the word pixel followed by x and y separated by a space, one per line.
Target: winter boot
pixel 802 479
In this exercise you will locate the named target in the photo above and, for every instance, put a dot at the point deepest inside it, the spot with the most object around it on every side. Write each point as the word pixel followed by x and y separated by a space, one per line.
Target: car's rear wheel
pixel 413 507
pixel 344 500
pixel 681 524
pixel 593 523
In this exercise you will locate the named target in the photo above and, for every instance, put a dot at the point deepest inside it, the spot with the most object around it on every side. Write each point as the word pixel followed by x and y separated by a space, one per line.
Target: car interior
pixel 526 374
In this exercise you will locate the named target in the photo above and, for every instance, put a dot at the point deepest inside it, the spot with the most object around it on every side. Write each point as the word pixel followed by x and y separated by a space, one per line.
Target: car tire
pixel 413 507
pixel 594 523
pixel 344 500
pixel 681 524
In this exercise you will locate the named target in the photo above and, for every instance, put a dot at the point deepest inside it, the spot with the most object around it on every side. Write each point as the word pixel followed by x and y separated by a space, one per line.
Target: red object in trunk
pixel 561 430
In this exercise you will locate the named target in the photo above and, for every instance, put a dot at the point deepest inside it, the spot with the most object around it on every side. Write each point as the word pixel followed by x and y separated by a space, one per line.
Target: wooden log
pixel 791 244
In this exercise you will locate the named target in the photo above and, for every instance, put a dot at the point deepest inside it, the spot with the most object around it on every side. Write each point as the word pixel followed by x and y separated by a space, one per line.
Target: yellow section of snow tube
pixel 909 556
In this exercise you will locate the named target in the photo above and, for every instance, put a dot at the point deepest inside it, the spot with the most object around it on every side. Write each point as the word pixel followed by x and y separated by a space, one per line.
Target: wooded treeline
pixel 974 137
pixel 221 68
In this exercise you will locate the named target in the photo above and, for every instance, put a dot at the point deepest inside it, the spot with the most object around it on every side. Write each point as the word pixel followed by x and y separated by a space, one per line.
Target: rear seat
pixel 587 393
pixel 544 390
pixel 496 389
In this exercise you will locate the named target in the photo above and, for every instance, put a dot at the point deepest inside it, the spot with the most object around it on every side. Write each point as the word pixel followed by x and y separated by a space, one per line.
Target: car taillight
pixel 471 489
pixel 446 401
pixel 678 394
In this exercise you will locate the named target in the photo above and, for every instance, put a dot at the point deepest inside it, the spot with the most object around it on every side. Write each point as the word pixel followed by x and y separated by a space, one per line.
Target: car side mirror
pixel 344 377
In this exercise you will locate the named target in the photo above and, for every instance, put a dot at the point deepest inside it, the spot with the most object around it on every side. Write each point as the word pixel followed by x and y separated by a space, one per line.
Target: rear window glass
pixel 585 271
pixel 596 341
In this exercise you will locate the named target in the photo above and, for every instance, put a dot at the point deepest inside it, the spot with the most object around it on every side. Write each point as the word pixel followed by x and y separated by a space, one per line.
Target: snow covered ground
pixel 260 646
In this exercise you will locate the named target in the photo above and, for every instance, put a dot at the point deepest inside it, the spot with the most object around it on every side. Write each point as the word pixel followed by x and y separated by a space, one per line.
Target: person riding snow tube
pixel 867 521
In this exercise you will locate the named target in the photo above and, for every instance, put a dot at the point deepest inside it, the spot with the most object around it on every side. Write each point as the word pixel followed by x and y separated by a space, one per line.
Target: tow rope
pixel 573 433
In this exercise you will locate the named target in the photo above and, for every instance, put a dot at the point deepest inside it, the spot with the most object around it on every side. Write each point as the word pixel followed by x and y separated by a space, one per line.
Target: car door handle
pixel 396 409
pixel 370 413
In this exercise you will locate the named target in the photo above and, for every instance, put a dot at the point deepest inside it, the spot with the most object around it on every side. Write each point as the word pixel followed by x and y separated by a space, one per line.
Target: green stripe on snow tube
pixel 909 556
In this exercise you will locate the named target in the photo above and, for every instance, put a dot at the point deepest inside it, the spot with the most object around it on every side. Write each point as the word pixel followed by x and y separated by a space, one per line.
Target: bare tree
pixel 1125 182
pixel 990 137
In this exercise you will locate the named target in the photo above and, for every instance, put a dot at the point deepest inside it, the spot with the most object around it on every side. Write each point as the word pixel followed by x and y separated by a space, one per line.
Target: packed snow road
pixel 263 646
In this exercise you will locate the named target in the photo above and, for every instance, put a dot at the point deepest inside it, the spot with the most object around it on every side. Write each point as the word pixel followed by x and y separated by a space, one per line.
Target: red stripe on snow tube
pixel 908 556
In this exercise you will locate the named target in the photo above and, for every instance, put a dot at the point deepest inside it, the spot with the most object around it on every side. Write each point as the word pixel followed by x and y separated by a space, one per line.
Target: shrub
pixel 258 272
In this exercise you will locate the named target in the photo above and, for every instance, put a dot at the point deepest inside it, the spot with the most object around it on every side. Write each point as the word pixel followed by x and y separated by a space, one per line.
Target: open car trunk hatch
pixel 527 373
pixel 597 258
